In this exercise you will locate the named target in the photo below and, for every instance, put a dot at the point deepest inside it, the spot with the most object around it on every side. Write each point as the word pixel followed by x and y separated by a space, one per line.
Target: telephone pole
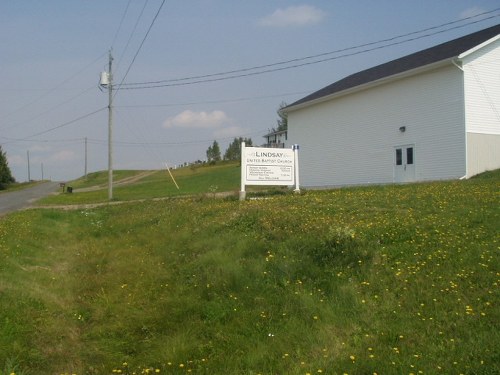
pixel 110 128
pixel 29 174
pixel 85 174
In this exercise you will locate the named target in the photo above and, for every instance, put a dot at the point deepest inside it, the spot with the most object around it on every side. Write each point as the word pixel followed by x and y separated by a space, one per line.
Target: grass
pixel 399 279
pixel 195 180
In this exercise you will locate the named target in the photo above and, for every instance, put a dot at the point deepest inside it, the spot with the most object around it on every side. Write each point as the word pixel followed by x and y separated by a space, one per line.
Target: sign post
pixel 296 159
pixel 268 166
pixel 243 193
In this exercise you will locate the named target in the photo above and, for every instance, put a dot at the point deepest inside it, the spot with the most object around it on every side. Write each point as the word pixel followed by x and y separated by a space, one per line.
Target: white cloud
pixel 471 12
pixel 191 119
pixel 230 131
pixel 300 15
pixel 40 148
pixel 61 156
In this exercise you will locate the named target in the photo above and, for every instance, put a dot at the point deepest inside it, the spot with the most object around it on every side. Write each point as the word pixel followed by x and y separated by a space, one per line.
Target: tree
pixel 282 118
pixel 213 153
pixel 233 151
pixel 5 174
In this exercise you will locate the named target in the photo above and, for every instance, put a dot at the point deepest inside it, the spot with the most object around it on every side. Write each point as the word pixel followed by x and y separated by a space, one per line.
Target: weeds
pixel 393 279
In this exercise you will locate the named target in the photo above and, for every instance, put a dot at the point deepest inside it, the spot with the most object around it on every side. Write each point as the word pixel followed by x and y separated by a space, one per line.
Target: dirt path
pixel 85 206
pixel 125 181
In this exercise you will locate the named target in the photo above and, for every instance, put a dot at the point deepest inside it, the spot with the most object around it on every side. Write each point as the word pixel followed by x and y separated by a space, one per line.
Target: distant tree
pixel 282 118
pixel 213 153
pixel 233 151
pixel 5 174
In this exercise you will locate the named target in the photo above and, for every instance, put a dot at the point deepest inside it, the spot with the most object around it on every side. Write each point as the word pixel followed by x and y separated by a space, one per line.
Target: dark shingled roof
pixel 428 56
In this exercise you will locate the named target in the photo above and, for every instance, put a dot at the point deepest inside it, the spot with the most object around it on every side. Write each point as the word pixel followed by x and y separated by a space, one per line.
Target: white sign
pixel 268 166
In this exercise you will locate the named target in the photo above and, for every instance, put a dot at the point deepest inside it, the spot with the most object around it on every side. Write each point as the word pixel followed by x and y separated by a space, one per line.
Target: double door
pixel 404 163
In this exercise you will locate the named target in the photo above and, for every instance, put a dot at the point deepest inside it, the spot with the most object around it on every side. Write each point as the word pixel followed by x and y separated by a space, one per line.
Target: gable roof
pixel 444 51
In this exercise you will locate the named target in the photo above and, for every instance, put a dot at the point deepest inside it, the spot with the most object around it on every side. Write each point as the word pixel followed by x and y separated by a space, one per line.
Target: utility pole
pixel 106 81
pixel 110 128
pixel 42 171
pixel 85 174
pixel 29 175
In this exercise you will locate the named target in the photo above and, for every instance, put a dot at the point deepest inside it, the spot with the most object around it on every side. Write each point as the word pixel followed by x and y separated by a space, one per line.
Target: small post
pixel 296 159
pixel 243 193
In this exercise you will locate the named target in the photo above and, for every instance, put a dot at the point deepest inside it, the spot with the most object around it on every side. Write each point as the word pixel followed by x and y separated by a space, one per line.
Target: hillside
pixel 388 280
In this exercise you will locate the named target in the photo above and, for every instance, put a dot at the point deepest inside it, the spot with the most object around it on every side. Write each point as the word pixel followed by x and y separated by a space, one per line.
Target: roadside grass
pixel 101 178
pixel 398 279
pixel 195 180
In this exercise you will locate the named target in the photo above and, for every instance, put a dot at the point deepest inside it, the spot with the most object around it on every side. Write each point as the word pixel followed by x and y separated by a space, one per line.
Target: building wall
pixel 351 139
pixel 483 153
pixel 482 110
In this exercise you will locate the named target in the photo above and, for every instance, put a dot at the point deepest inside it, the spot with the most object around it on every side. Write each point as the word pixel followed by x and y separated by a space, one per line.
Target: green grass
pixel 191 181
pixel 392 279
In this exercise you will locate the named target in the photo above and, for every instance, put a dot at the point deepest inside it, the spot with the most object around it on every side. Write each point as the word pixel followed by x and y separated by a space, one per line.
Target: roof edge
pixel 478 47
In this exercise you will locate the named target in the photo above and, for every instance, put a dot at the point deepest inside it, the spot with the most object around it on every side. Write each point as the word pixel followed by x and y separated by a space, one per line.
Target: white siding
pixel 482 109
pixel 483 153
pixel 351 139
pixel 482 89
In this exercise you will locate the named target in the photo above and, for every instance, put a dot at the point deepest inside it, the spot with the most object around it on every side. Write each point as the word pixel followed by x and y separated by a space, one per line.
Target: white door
pixel 404 163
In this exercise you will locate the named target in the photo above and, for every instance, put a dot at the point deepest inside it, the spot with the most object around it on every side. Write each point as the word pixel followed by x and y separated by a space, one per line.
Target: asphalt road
pixel 16 200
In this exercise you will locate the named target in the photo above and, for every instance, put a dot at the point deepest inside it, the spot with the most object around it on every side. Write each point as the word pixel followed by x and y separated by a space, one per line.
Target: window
pixel 409 155
pixel 399 156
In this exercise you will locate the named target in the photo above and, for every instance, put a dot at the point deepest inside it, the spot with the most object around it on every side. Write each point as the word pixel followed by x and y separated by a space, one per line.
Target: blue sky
pixel 52 53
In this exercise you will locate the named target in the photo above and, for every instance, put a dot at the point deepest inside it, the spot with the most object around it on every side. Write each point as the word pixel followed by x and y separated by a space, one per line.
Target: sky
pixel 186 73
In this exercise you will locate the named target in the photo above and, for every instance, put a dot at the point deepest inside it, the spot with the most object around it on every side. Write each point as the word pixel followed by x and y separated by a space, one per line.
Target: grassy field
pixel 399 279
pixel 195 180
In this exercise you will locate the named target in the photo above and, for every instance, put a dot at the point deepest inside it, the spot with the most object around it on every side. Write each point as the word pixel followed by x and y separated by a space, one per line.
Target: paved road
pixel 16 200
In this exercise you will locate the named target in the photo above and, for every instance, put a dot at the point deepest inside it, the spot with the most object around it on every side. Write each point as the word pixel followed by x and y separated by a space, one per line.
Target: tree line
pixel 5 174
pixel 233 151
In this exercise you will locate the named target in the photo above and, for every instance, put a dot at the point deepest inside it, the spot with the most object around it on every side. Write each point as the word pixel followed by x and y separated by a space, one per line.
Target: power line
pixel 220 101
pixel 44 95
pixel 121 22
pixel 103 142
pixel 142 43
pixel 67 123
pixel 68 140
pixel 246 72
pixel 16 124
pixel 132 33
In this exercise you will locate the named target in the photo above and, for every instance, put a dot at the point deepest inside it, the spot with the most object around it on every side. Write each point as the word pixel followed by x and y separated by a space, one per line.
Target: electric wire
pixel 142 43
pixel 121 23
pixel 24 122
pixel 219 101
pixel 131 34
pixel 66 123
pixel 246 72
pixel 44 95
pixel 104 142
